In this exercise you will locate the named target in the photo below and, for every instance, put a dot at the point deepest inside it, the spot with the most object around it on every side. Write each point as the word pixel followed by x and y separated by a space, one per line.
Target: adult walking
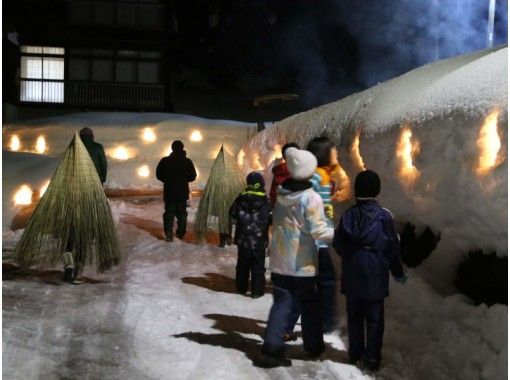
pixel 176 171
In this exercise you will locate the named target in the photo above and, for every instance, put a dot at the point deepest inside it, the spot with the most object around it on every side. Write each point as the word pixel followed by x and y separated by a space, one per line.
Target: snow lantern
pixel 15 144
pixel 143 171
pixel 23 196
pixel 40 145
pixel 148 135
pixel 406 151
pixel 196 136
pixel 489 144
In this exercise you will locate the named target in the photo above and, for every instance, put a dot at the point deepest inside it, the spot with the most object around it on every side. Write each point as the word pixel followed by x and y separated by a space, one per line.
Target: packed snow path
pixel 170 311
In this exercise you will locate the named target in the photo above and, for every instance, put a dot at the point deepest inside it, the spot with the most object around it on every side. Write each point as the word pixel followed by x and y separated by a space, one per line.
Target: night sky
pixel 323 50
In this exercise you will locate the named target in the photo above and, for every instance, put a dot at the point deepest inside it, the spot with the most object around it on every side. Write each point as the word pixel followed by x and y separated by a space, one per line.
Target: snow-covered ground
pixel 169 311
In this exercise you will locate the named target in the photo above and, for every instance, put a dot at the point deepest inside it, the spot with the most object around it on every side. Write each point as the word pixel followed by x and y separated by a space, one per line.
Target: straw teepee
pixel 223 186
pixel 73 206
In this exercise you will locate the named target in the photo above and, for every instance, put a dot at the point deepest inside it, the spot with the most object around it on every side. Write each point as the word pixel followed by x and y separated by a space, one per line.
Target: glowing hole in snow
pixel 240 158
pixel 489 143
pixel 195 136
pixel 406 149
pixel 277 150
pixel 43 188
pixel 256 162
pixel 143 171
pixel 15 143
pixel 23 196
pixel 356 153
pixel 40 145
pixel 121 153
pixel 148 135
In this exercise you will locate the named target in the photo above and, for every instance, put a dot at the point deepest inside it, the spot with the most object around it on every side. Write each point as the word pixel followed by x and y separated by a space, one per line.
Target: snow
pixel 170 311
pixel 113 129
pixel 444 104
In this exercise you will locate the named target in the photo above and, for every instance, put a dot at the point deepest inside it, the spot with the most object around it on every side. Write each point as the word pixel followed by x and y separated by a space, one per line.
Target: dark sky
pixel 323 49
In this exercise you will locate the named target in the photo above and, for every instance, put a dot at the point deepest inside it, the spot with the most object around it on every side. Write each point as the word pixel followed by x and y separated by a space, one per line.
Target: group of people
pixel 300 211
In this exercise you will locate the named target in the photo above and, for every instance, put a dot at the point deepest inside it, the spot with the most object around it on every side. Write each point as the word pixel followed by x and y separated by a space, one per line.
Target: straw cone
pixel 73 206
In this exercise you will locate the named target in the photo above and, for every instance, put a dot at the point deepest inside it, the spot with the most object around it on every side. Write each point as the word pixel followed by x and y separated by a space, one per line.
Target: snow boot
pixel 272 361
pixel 290 337
pixel 169 237
pixel 68 275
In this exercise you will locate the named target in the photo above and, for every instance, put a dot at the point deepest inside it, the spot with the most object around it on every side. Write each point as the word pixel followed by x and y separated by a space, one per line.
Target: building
pixel 89 54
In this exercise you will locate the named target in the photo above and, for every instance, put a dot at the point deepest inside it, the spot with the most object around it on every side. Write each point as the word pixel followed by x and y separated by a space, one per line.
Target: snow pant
pixel 175 209
pixel 251 261
pixel 68 256
pixel 326 284
pixel 286 289
pixel 369 313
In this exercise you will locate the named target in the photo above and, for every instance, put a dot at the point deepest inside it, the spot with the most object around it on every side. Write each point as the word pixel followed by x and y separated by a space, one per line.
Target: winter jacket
pixel 369 246
pixel 96 152
pixel 280 174
pixel 298 221
pixel 323 186
pixel 252 212
pixel 176 171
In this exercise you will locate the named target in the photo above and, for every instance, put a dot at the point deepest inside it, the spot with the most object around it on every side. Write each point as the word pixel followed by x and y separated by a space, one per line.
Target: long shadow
pixel 216 282
pixel 11 272
pixel 232 327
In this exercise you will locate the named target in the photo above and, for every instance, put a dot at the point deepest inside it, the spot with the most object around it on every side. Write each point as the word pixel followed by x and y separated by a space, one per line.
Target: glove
pixel 401 280
pixel 328 210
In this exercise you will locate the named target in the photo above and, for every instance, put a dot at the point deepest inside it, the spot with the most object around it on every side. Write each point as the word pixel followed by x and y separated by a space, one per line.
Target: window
pixel 42 74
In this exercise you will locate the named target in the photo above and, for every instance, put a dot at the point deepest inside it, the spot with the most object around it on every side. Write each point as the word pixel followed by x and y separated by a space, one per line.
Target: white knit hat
pixel 301 163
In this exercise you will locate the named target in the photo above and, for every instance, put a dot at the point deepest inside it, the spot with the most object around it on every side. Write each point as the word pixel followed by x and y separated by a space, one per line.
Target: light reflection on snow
pixel 406 151
pixel 43 188
pixel 356 154
pixel 488 143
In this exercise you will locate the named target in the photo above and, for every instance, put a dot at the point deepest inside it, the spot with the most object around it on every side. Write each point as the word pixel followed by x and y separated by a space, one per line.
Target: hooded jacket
pixel 96 152
pixel 176 171
pixel 280 174
pixel 369 246
pixel 252 212
pixel 298 221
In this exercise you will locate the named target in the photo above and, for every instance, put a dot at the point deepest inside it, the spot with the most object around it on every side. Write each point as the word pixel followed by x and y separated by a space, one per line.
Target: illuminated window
pixel 42 74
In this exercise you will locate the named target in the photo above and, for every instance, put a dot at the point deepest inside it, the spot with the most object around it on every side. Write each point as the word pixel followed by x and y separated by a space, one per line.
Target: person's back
pixel 280 173
pixel 176 171
pixel 369 246
pixel 96 152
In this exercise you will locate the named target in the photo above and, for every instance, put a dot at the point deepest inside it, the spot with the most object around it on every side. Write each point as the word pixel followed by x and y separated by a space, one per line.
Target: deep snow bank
pixel 420 131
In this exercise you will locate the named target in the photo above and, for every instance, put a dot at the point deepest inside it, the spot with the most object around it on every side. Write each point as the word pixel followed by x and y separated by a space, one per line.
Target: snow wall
pixel 422 132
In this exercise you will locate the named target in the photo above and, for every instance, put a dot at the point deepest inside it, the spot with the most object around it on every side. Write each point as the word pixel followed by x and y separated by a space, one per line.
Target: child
pixel 299 220
pixel 369 246
pixel 280 173
pixel 252 211
pixel 325 152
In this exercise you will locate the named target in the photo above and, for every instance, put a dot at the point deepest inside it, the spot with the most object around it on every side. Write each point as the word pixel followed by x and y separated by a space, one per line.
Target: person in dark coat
pixel 370 249
pixel 176 172
pixel 96 152
pixel 252 212
pixel 280 173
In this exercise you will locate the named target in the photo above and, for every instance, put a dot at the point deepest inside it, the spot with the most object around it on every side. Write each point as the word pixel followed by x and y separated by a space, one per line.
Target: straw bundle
pixel 223 186
pixel 74 206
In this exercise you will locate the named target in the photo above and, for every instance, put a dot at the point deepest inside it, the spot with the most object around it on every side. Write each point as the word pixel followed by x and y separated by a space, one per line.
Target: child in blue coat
pixel 369 246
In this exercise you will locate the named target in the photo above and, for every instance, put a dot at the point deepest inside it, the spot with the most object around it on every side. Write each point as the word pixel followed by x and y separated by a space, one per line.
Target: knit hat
pixel 367 184
pixel 177 146
pixel 301 163
pixel 255 181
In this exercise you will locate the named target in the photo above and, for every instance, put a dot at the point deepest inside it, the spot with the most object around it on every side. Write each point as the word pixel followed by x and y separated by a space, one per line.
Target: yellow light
pixel 44 187
pixel 195 136
pixel 15 143
pixel 256 165
pixel 406 149
pixel 23 196
pixel 40 145
pixel 277 150
pixel 240 158
pixel 198 173
pixel 121 153
pixel 148 135
pixel 488 143
pixel 143 171
pixel 342 184
pixel 356 154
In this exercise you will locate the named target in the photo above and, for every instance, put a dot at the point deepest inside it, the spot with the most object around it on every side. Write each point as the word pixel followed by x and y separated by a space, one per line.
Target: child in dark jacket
pixel 369 246
pixel 252 212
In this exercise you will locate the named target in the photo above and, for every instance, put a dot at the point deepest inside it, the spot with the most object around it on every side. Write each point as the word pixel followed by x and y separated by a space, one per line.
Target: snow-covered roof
pixel 472 84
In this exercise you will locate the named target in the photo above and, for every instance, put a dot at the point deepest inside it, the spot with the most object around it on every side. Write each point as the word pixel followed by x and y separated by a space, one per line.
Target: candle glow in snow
pixel 40 145
pixel 277 150
pixel 23 196
pixel 148 135
pixel 240 158
pixel 489 144
pixel 356 153
pixel 143 171
pixel 15 143
pixel 195 136
pixel 406 150
pixel 121 153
